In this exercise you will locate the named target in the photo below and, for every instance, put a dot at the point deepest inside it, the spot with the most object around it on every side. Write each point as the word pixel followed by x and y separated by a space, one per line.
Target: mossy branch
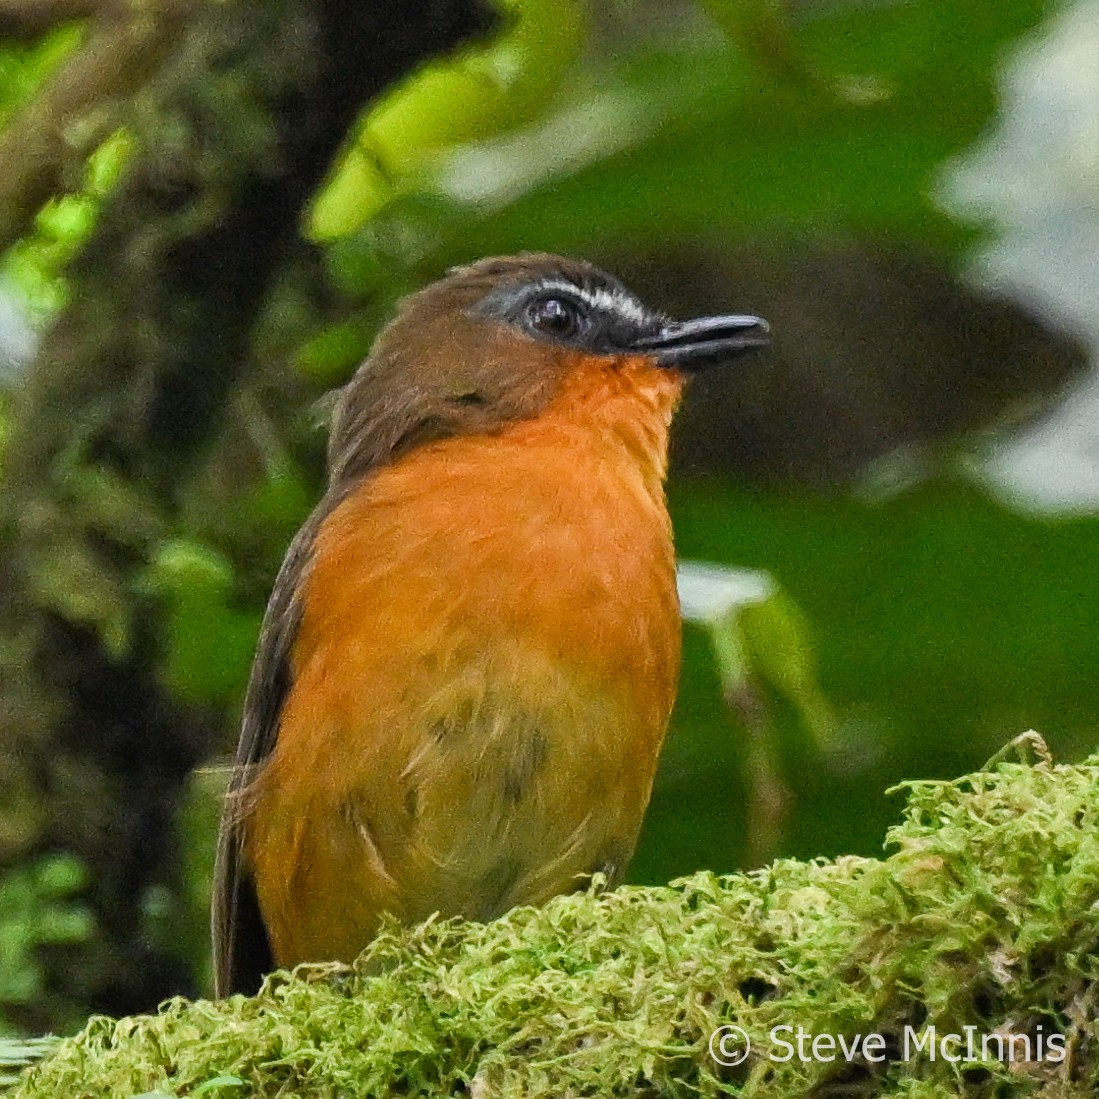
pixel 985 915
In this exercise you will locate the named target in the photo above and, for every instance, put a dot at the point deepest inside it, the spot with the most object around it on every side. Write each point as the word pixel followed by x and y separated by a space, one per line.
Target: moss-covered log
pixel 983 922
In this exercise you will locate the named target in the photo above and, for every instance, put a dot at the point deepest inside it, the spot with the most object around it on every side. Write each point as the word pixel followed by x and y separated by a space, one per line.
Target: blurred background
pixel 205 217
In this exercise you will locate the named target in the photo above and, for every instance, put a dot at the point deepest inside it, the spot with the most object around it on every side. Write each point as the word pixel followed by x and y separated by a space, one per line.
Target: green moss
pixel 985 914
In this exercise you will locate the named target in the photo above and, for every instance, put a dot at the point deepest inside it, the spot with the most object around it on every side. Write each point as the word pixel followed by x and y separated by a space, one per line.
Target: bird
pixel 470 655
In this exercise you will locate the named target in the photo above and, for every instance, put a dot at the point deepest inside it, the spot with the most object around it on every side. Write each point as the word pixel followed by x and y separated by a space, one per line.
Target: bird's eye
pixel 556 317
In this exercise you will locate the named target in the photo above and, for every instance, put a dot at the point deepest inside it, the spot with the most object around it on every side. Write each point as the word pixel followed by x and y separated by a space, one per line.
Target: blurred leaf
pixel 330 354
pixel 943 623
pixel 753 152
pixel 759 639
pixel 17 1053
pixel 778 639
pixel 60 874
pixel 37 907
pixel 72 584
pixel 280 501
pixel 23 68
pixel 105 165
pixel 35 265
pixel 195 584
pixel 474 95
pixel 757 633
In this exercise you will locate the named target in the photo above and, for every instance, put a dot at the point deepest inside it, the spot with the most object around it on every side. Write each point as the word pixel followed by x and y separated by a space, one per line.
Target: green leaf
pixel 757 633
pixel 472 96
pixel 747 146
pixel 759 641
pixel 194 584
pixel 38 905
pixel 17 1054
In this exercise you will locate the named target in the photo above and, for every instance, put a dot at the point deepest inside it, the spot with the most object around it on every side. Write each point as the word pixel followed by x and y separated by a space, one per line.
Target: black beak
pixel 705 341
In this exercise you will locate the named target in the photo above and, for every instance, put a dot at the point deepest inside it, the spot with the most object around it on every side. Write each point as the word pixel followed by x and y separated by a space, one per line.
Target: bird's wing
pixel 242 952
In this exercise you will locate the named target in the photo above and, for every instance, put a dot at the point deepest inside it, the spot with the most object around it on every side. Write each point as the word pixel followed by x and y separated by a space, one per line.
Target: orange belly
pixel 485 667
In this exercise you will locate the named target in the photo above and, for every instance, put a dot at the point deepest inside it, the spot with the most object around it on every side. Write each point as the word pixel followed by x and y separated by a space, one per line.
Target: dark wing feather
pixel 242 952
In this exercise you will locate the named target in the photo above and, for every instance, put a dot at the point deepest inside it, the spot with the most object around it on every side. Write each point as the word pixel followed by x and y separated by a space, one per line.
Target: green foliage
pixel 761 646
pixel 618 994
pixel 757 632
pixel 37 908
pixel 208 641
pixel 36 265
pixel 826 127
pixel 23 68
pixel 478 94
pixel 848 140
pixel 939 619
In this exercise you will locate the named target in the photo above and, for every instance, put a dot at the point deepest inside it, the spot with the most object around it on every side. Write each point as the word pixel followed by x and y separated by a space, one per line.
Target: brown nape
pixel 440 370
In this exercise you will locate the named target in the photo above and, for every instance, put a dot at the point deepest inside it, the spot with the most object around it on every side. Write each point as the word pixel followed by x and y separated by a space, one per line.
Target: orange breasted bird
pixel 470 656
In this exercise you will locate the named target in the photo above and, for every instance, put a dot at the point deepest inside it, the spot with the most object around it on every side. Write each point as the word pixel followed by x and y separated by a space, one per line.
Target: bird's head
pixel 495 341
